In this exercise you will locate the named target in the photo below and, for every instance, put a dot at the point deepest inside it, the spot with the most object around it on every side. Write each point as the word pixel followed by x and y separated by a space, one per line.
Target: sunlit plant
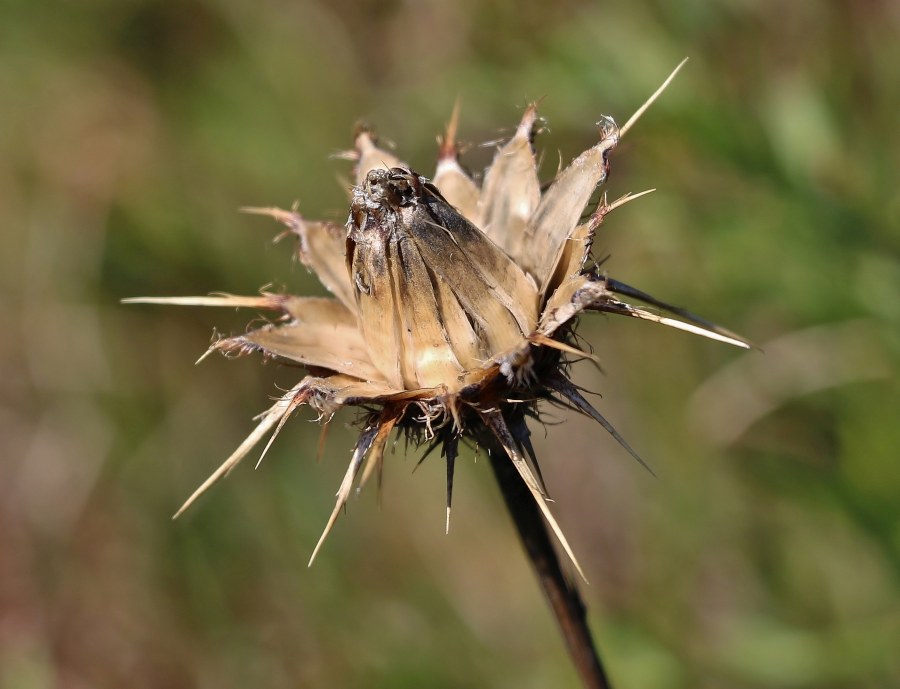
pixel 454 316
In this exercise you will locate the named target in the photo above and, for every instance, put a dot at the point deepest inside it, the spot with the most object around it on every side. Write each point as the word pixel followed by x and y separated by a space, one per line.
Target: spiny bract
pixel 454 304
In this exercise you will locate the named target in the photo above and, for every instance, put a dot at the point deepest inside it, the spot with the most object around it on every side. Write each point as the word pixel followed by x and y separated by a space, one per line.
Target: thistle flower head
pixel 454 304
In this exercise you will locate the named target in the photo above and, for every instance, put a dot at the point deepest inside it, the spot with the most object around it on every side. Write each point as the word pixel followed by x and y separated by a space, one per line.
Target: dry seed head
pixel 454 305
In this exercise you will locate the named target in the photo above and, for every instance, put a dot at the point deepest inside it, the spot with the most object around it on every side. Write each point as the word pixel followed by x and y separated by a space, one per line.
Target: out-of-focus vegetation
pixel 767 554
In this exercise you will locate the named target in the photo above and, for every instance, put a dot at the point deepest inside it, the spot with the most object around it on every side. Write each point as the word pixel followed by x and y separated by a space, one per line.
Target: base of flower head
pixel 496 400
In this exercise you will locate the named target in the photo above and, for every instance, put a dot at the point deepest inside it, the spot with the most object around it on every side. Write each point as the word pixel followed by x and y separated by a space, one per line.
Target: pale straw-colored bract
pixel 454 304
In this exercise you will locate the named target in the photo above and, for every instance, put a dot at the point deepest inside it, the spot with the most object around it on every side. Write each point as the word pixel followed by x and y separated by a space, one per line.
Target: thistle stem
pixel 562 594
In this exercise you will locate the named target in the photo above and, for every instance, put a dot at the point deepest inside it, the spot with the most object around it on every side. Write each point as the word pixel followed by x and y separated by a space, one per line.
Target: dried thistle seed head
pixel 455 305
pixel 435 297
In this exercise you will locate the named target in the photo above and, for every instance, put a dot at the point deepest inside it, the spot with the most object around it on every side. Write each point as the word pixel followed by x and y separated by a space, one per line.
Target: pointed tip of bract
pixel 363 133
pixel 567 389
pixel 364 140
pixel 291 219
pixel 641 110
pixel 497 424
pixel 205 355
pixel 321 541
pixel 371 155
pixel 268 421
pixel 448 147
pixel 363 445
pixel 341 500
pixel 607 208
pixel 528 121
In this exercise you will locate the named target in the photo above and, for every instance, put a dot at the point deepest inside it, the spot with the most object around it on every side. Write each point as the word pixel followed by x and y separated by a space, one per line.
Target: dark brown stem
pixel 563 596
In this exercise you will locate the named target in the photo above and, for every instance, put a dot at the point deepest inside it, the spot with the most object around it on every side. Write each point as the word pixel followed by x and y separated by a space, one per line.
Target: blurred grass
pixel 768 553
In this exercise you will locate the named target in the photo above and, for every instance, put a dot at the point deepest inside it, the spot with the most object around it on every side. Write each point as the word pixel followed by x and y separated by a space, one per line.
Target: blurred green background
pixel 766 554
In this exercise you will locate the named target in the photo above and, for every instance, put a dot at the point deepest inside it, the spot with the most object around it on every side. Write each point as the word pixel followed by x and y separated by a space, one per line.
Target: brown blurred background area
pixel 766 553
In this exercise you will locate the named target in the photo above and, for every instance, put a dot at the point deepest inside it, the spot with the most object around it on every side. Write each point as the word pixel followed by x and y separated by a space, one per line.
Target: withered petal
pixel 470 348
pixel 427 349
pixel 574 252
pixel 570 258
pixel 460 253
pixel 322 249
pixel 562 306
pixel 411 254
pixel 377 306
pixel 511 190
pixel 453 182
pixel 313 345
pixel 459 189
pixel 561 206
pixel 322 334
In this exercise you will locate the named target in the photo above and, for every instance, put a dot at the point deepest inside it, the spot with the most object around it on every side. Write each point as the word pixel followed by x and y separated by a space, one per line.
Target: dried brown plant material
pixel 454 305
